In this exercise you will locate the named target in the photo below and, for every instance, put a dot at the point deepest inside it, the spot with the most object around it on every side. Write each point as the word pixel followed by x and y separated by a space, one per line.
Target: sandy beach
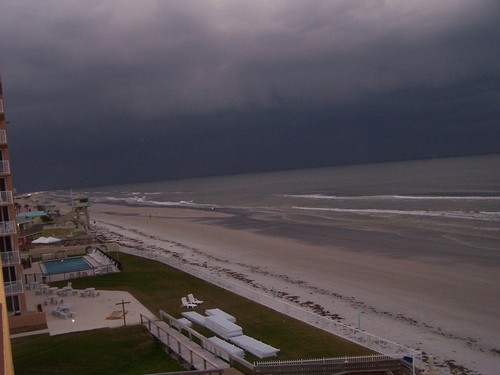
pixel 444 307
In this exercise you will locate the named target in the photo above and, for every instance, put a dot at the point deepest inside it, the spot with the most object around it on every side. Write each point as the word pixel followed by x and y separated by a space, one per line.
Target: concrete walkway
pixel 89 312
pixel 30 333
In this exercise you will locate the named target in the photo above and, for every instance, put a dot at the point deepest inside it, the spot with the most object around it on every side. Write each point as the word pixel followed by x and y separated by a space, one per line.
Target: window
pixel 13 306
pixel 5 244
pixel 4 216
pixel 9 274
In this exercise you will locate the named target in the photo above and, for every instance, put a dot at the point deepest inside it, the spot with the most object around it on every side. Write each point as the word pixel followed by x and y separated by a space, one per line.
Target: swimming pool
pixel 52 267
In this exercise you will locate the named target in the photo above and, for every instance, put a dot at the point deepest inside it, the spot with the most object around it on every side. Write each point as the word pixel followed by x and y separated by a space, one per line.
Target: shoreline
pixel 351 287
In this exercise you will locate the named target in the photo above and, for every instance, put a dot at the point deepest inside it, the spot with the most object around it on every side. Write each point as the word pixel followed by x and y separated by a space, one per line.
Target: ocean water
pixel 445 207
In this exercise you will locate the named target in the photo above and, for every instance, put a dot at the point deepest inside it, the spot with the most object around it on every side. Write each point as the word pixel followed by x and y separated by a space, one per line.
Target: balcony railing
pixel 7 227
pixel 3 137
pixel 10 257
pixel 6 197
pixel 4 167
pixel 13 287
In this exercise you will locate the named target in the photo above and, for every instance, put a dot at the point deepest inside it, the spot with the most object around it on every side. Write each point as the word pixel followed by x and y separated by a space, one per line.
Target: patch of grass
pixel 124 350
pixel 159 286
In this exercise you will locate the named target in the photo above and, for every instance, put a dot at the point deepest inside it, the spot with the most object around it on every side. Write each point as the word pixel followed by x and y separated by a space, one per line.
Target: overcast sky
pixel 110 92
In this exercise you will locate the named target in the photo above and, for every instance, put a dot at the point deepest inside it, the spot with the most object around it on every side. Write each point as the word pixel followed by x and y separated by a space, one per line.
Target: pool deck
pixel 89 312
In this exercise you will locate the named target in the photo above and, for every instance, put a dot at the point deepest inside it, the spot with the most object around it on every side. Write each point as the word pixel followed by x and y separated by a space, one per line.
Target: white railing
pixel 13 287
pixel 4 167
pixel 352 334
pixel 345 365
pixel 188 353
pixel 6 197
pixel 357 359
pixel 3 137
pixel 10 257
pixel 7 227
pixel 223 352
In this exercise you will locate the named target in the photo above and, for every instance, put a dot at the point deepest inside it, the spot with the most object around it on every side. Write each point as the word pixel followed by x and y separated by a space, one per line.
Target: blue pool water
pixel 52 267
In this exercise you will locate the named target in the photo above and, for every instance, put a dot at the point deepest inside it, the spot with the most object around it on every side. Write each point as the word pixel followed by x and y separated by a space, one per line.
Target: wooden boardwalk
pixel 183 347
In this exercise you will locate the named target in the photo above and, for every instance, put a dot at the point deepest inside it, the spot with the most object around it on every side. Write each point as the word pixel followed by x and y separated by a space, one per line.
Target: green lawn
pixel 125 350
pixel 159 286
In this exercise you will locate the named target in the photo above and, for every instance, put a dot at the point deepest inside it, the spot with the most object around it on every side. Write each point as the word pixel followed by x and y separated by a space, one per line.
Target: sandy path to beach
pixel 446 309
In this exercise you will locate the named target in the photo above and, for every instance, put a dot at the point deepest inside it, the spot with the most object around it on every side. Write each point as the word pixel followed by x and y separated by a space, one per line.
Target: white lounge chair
pixel 194 300
pixel 185 303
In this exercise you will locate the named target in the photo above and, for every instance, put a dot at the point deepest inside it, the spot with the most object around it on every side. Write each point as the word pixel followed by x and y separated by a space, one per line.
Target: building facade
pixel 12 296
pixel 12 270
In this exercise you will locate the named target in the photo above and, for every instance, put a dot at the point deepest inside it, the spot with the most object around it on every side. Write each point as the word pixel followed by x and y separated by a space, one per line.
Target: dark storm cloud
pixel 206 87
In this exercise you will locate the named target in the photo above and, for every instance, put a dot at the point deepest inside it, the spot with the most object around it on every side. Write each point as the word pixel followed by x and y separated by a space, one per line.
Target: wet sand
pixel 445 306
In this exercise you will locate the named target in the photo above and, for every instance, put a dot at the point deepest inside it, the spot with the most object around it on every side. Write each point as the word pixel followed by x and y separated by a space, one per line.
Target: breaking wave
pixel 392 197
pixel 469 215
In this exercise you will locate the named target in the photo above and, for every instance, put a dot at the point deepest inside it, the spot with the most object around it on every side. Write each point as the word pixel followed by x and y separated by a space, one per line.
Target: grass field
pixel 124 350
pixel 158 286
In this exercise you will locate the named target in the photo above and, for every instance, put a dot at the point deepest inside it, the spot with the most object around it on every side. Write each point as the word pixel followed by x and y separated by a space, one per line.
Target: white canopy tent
pixel 46 240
